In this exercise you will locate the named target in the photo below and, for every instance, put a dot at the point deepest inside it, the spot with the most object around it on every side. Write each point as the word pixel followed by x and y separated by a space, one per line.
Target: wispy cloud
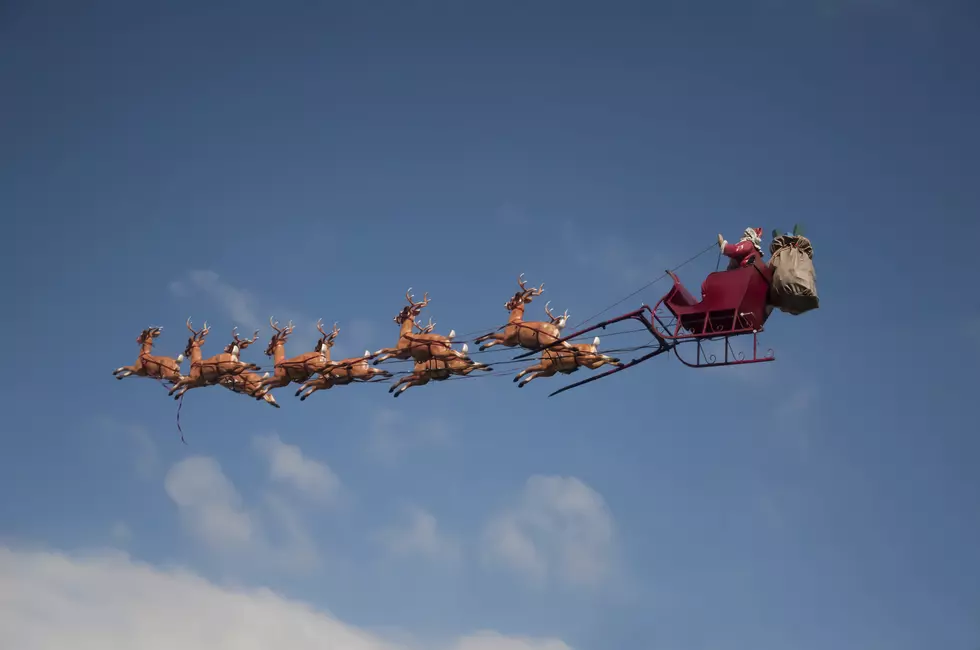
pixel 110 602
pixel 287 464
pixel 418 535
pixel 391 436
pixel 239 304
pixel 146 457
pixel 212 512
pixel 560 528
pixel 120 532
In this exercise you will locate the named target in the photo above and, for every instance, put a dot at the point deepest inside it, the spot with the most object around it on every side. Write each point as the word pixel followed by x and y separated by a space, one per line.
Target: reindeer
pixel 532 335
pixel 237 345
pixel 567 361
pixel 249 384
pixel 299 368
pixel 149 365
pixel 421 346
pixel 207 372
pixel 347 371
pixel 438 370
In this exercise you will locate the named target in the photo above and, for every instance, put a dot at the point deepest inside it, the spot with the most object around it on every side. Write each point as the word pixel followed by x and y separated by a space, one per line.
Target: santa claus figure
pixel 743 253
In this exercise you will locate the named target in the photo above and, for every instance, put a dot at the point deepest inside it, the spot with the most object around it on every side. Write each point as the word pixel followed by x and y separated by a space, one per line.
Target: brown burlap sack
pixel 794 280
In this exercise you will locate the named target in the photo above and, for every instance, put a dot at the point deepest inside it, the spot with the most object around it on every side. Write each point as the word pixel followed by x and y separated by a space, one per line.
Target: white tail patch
pixel 595 342
pixel 367 353
pixel 180 359
pixel 266 374
pixel 466 348
pixel 452 333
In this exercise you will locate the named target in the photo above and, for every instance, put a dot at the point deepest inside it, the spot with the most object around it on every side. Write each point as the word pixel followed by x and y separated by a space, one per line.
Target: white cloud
pixel 392 434
pixel 419 535
pixel 238 304
pixel 496 641
pixel 210 507
pixel 212 512
pixel 50 601
pixel 560 528
pixel 287 464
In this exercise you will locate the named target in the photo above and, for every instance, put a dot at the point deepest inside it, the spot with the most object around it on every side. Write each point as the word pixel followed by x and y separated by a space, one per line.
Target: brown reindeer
pixel 206 372
pixel 249 384
pixel 301 367
pixel 532 335
pixel 420 346
pixel 237 345
pixel 347 371
pixel 438 370
pixel 150 365
pixel 567 361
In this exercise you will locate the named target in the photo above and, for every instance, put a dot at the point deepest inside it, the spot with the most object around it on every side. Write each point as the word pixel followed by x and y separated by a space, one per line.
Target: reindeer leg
pixel 384 354
pixel 309 391
pixel 540 373
pixel 535 368
pixel 125 371
pixel 401 381
pixel 496 338
pixel 406 386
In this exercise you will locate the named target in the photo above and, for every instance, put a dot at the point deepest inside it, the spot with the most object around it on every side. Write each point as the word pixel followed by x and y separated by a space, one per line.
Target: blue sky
pixel 314 160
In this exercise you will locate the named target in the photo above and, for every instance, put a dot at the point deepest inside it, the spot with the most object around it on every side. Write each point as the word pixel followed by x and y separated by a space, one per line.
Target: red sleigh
pixel 735 304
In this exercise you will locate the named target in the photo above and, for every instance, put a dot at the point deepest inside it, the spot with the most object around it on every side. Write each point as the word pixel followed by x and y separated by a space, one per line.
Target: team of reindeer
pixel 434 357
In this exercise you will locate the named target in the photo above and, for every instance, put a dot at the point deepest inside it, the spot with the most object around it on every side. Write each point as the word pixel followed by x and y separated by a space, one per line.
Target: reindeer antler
pixel 243 343
pixel 417 306
pixel 547 310
pixel 334 333
pixel 198 335
pixel 428 328
pixel 275 326
pixel 529 292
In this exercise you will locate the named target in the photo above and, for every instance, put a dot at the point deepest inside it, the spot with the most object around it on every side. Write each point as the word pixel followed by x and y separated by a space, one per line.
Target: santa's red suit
pixel 742 253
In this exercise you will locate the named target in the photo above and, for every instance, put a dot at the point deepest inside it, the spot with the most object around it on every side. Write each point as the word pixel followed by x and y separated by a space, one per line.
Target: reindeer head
pixel 196 338
pixel 413 309
pixel 279 338
pixel 524 296
pixel 326 341
pixel 147 335
pixel 557 321
pixel 237 344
